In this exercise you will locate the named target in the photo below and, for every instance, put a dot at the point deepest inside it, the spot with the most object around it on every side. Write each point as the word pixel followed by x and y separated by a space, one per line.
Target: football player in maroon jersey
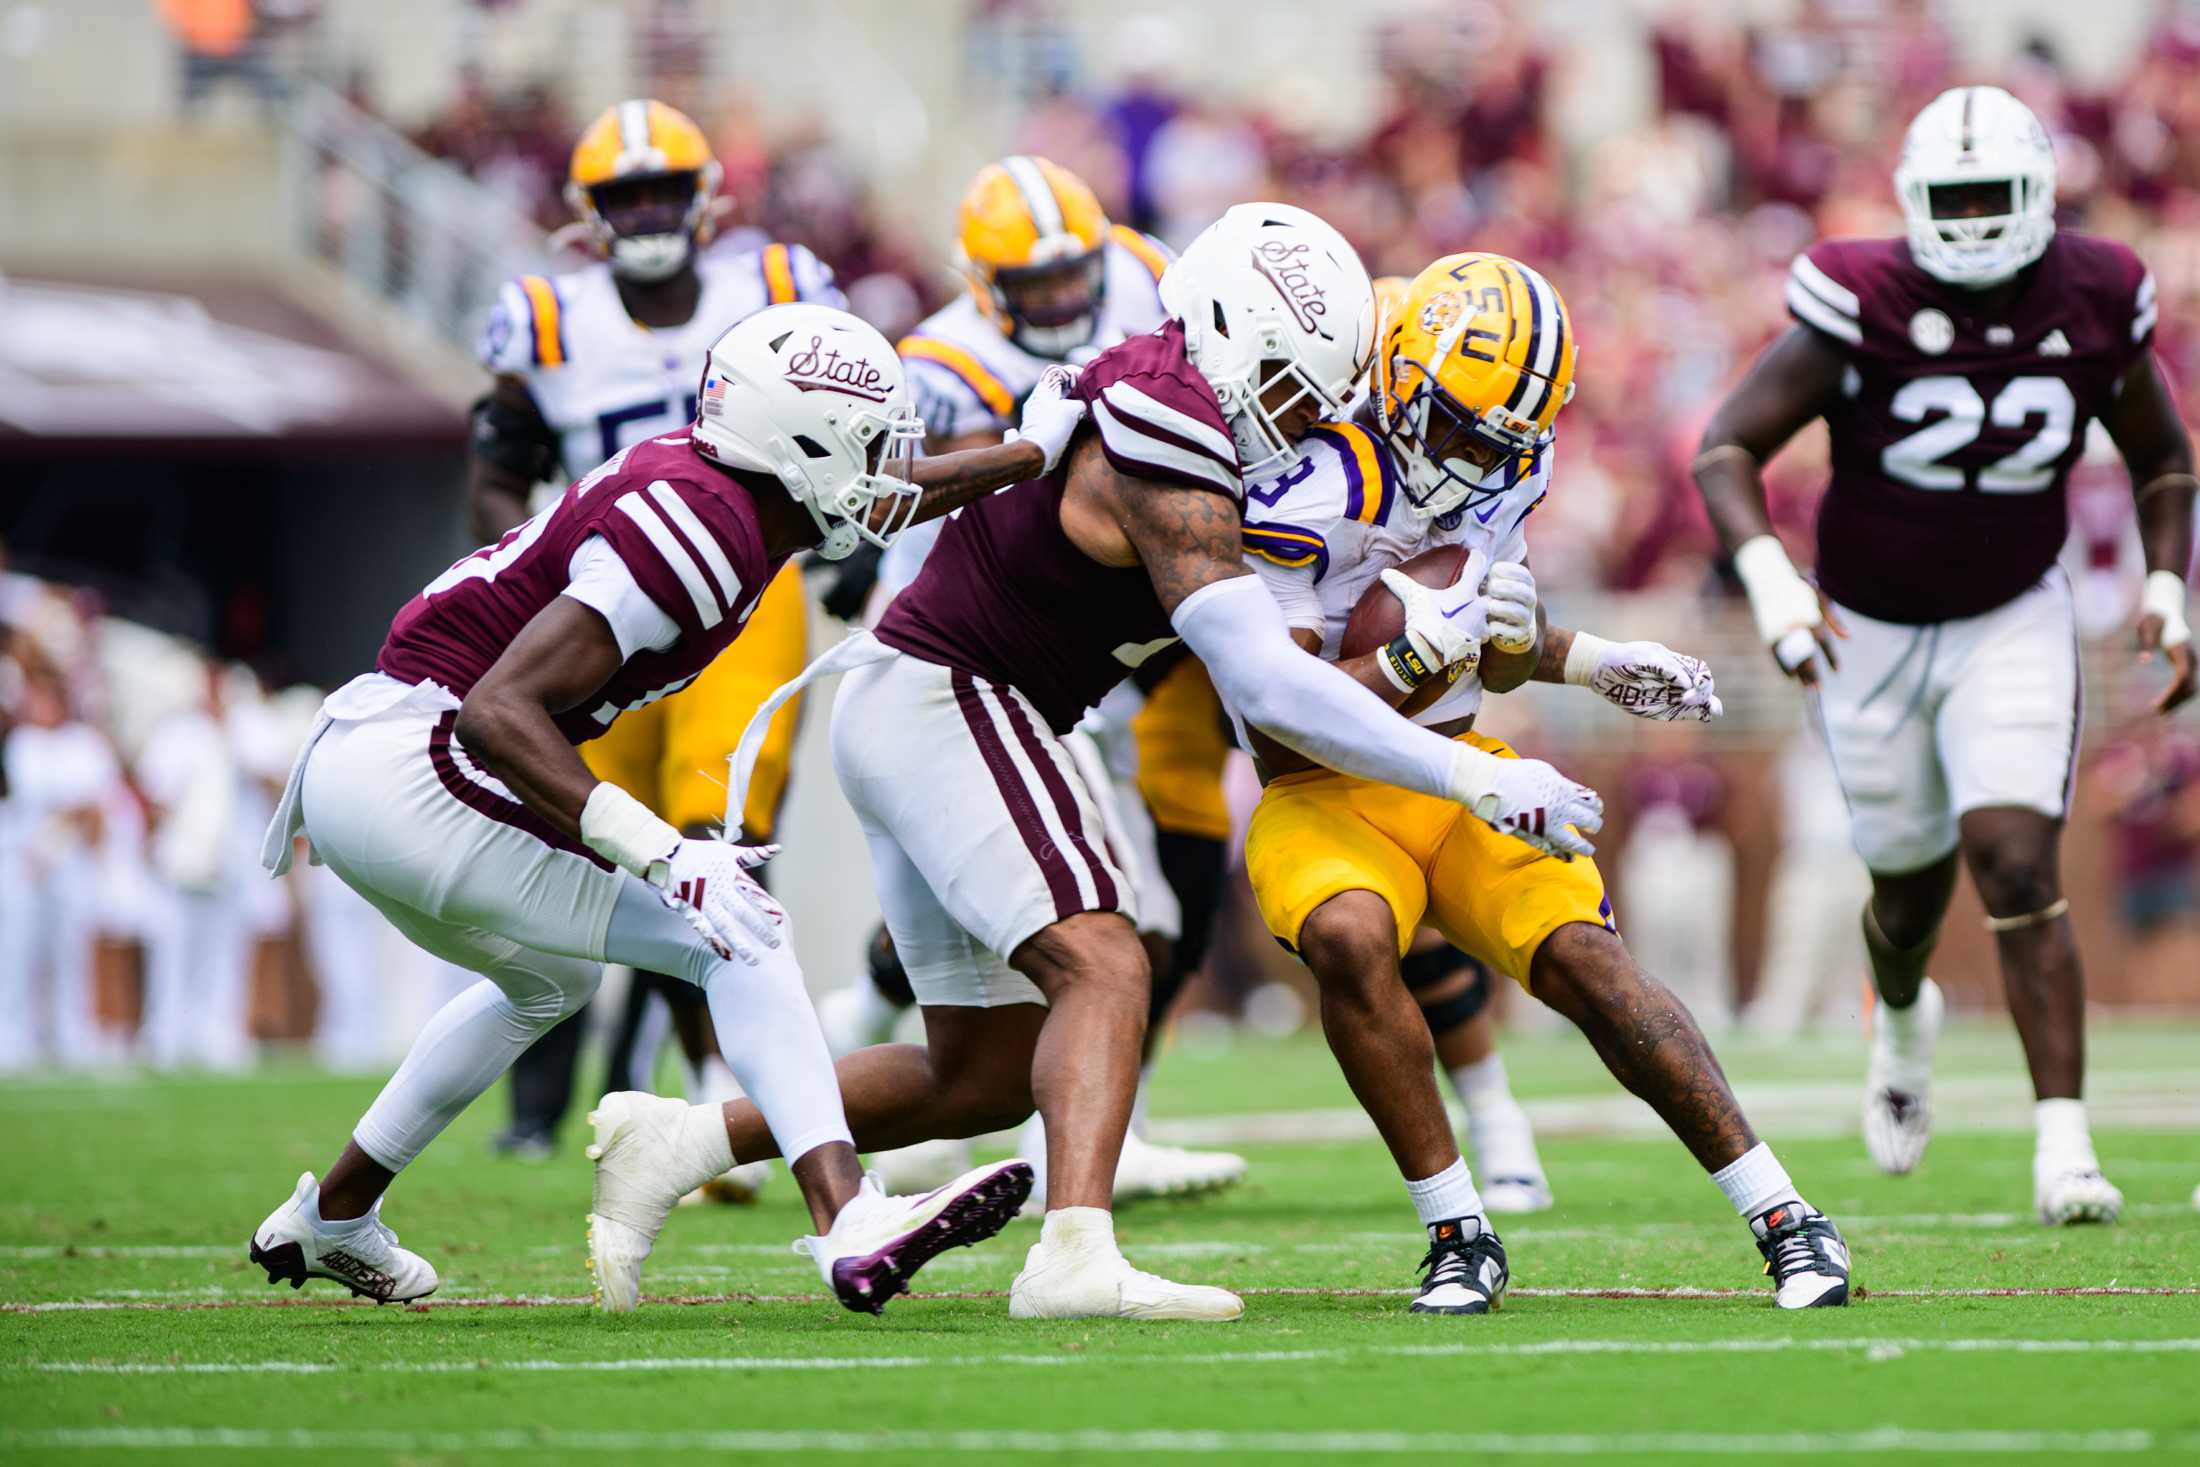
pixel 1958 370
pixel 447 788
pixel 1011 916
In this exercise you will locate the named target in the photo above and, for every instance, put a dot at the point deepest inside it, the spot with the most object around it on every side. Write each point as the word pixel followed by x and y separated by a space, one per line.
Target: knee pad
pixel 887 974
pixel 1424 970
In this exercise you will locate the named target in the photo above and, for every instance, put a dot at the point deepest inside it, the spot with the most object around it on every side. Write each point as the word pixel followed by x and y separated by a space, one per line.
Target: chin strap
pixel 2047 913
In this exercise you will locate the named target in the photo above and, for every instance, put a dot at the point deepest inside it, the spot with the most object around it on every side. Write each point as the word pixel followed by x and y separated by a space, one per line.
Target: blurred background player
pixel 586 364
pixel 1958 370
pixel 1051 281
pixel 1454 448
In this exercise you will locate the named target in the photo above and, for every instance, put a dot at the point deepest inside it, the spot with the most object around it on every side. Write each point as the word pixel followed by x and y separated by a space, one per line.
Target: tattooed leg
pixel 1645 1037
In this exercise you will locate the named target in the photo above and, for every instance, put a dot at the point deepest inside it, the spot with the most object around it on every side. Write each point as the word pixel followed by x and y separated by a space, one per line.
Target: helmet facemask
pixel 880 502
pixel 1978 232
pixel 1455 456
pixel 1051 309
pixel 647 224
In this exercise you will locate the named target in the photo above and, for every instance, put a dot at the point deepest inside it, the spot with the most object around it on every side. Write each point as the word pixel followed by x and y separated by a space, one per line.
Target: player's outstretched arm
pixel 2158 452
pixel 1032 449
pixel 1189 541
pixel 1646 679
pixel 1785 388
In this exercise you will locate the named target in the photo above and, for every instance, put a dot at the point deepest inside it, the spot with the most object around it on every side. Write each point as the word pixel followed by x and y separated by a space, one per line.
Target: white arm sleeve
pixel 598 579
pixel 1302 702
pixel 1294 591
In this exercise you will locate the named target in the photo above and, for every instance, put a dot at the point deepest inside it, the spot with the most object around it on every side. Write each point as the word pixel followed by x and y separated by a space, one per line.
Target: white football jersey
pixel 1322 532
pixel 602 380
pixel 965 376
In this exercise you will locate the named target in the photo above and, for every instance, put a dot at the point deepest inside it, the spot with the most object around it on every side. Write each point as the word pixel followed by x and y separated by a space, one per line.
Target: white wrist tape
pixel 1473 774
pixel 624 831
pixel 1763 565
pixel 2164 596
pixel 1582 658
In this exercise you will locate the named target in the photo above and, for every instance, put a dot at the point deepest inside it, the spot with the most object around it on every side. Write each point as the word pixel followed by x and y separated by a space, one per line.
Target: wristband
pixel 1582 658
pixel 1762 563
pixel 624 831
pixel 2164 596
pixel 1402 664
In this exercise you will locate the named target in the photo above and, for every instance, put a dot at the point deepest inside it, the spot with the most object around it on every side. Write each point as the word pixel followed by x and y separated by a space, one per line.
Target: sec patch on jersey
pixel 1378 618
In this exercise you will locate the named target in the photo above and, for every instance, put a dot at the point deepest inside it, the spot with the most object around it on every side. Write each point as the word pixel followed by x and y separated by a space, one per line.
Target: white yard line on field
pixel 1526 1230
pixel 184 1299
pixel 1874 1348
pixel 1874 1440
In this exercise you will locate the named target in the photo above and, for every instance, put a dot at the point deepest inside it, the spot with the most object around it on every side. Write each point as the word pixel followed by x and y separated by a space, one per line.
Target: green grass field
pixel 135 1330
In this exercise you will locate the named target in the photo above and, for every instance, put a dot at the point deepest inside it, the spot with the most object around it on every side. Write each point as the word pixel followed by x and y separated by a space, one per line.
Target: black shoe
pixel 1805 1255
pixel 1464 1272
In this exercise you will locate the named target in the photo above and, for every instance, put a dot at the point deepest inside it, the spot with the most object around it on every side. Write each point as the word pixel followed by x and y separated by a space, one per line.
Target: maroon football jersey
pixel 1955 432
pixel 1006 596
pixel 686 531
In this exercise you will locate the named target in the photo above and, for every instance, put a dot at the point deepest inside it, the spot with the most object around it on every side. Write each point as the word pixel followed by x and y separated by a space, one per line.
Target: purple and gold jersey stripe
pixel 779 283
pixel 1294 546
pixel 1143 249
pixel 546 319
pixel 990 389
pixel 1366 468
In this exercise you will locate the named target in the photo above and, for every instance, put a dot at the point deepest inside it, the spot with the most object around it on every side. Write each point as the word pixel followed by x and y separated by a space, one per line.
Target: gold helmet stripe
pixel 634 127
pixel 1031 181
pixel 779 275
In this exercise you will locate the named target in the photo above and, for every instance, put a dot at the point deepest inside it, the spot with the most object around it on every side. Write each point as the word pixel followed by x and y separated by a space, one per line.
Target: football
pixel 1378 617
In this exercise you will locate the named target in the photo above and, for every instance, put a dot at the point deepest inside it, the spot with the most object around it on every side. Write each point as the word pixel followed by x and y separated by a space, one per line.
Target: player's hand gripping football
pixel 1528 800
pixel 1510 592
pixel 1653 681
pixel 1446 624
pixel 2163 629
pixel 1051 415
pixel 708 883
pixel 1793 616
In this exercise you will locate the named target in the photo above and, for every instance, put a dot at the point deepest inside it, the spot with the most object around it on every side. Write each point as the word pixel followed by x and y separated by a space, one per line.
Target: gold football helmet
pixel 1033 243
pixel 1471 368
pixel 642 182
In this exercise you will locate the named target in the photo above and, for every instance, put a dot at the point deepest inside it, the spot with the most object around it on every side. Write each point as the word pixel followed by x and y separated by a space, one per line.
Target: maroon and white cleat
pixel 877 1244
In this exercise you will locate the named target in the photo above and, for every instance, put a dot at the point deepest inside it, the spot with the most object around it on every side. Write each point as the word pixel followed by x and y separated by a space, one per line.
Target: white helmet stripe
pixel 1046 211
pixel 1549 342
pixel 634 127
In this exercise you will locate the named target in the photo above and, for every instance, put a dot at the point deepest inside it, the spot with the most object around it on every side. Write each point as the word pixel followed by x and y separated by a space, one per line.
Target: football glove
pixel 1510 591
pixel 1643 678
pixel 1050 415
pixel 708 883
pixel 1445 624
pixel 1528 800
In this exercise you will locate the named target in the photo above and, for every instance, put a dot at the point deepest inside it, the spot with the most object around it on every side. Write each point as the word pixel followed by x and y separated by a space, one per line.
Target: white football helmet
pixel 814 396
pixel 1977 185
pixel 1270 293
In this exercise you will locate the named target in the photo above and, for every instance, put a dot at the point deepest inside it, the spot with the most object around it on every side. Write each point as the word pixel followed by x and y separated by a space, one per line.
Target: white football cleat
pixel 909 1170
pixel 1898 1086
pixel 878 1242
pixel 1148 1170
pixel 361 1253
pixel 2075 1193
pixel 640 1177
pixel 1066 1281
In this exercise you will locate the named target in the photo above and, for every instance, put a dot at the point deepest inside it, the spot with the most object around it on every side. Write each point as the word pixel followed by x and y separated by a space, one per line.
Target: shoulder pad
pixel 1819 296
pixel 1157 417
pixel 1147 250
pixel 526 327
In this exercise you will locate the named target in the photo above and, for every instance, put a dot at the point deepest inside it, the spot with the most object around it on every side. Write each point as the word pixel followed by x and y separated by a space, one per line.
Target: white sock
pixel 1755 1180
pixel 1447 1195
pixel 1079 1228
pixel 2064 1137
pixel 1482 1082
pixel 1907 1031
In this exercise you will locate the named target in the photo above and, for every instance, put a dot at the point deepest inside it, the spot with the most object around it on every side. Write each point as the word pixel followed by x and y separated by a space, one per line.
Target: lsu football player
pixel 589 363
pixel 1453 446
pixel 1050 281
pixel 1958 369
